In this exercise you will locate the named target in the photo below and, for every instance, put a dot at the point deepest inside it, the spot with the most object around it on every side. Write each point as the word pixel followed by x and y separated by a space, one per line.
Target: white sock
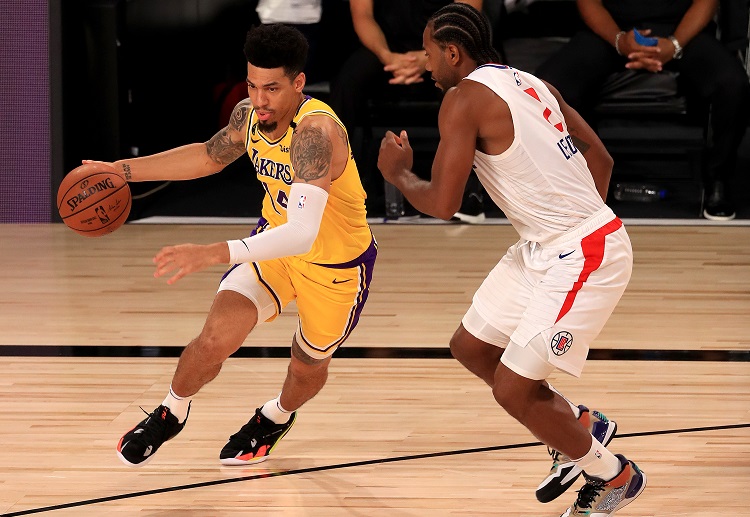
pixel 576 409
pixel 599 462
pixel 273 411
pixel 177 405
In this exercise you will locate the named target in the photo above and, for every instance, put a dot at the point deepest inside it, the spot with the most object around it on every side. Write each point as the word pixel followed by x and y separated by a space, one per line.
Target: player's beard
pixel 267 127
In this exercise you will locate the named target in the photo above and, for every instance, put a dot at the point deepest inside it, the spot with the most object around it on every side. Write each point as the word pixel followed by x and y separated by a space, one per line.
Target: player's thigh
pixel 329 302
pixel 573 301
pixel 499 303
pixel 531 361
pixel 266 285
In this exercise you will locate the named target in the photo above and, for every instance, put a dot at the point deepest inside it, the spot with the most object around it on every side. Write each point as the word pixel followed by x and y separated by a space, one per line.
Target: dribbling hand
pixel 189 258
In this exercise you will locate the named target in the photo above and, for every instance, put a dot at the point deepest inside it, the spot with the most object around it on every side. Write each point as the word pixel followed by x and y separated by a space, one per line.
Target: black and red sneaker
pixel 137 446
pixel 255 440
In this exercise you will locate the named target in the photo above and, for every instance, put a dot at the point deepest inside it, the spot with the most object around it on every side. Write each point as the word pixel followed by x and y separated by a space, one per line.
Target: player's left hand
pixel 188 258
pixel 395 156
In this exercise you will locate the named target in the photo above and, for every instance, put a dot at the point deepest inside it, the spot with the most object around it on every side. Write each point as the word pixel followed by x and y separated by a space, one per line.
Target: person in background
pixel 549 297
pixel 303 15
pixel 685 41
pixel 388 60
pixel 390 52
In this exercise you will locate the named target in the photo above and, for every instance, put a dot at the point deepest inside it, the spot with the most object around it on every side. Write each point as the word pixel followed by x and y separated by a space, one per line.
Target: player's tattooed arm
pixel 229 144
pixel 342 135
pixel 127 172
pixel 311 152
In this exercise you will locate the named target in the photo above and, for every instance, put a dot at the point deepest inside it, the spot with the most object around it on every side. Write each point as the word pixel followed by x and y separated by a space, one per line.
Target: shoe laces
pixel 254 428
pixel 588 493
pixel 155 427
pixel 555 455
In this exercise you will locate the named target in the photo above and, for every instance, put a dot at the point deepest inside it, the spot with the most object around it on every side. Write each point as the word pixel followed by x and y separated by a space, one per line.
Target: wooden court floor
pixel 88 336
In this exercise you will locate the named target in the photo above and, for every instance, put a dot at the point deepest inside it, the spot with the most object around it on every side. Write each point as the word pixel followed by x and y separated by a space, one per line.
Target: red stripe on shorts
pixel 593 253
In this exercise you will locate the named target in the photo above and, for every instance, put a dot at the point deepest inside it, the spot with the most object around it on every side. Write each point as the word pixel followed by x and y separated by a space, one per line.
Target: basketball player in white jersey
pixel 551 294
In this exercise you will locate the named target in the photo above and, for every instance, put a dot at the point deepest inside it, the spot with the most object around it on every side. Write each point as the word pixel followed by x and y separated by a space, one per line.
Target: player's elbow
pixel 304 237
pixel 306 245
pixel 601 158
pixel 447 208
pixel 444 213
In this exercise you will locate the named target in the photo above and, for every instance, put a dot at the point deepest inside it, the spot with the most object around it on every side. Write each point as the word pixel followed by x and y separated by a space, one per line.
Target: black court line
pixel 354 352
pixel 338 466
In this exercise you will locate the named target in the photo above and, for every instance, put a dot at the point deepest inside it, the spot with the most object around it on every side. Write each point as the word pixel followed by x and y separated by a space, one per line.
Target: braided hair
pixel 462 24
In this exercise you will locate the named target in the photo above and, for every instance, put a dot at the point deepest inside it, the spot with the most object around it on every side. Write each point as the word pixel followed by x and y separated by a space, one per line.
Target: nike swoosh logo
pixel 563 256
pixel 253 140
pixel 335 281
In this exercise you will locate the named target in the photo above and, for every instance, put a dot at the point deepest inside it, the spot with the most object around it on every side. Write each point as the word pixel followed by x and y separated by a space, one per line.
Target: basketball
pixel 93 200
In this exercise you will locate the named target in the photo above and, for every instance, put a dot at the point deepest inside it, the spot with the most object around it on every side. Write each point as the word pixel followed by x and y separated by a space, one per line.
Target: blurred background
pixel 109 79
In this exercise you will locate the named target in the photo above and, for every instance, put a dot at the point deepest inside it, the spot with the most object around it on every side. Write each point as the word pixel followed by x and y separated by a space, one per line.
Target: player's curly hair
pixel 276 45
pixel 461 24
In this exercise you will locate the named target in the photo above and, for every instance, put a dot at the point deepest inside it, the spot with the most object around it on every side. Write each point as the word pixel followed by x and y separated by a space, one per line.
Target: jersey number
pixel 282 199
pixel 547 113
pixel 565 144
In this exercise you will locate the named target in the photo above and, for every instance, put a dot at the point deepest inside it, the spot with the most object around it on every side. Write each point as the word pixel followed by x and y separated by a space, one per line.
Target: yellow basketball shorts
pixel 330 297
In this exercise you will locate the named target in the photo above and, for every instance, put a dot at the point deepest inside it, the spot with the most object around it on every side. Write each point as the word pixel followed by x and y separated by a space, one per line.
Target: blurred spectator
pixel 305 16
pixel 685 42
pixel 390 33
pixel 390 59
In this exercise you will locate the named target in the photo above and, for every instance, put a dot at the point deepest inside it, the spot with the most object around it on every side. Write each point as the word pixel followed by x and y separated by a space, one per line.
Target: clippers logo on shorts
pixel 561 342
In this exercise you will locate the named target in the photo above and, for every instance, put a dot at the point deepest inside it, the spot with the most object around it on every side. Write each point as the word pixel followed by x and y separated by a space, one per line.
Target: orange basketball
pixel 94 200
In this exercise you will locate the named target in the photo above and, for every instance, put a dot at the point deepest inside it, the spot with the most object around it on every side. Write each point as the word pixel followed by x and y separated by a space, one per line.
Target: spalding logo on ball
pixel 94 200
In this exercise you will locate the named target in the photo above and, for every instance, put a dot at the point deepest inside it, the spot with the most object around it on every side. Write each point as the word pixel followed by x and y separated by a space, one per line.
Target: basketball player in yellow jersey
pixel 312 245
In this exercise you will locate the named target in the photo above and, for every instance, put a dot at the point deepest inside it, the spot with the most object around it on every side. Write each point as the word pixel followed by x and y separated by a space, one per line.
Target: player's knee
pixel 461 346
pixel 503 396
pixel 510 401
pixel 213 348
pixel 457 348
pixel 303 364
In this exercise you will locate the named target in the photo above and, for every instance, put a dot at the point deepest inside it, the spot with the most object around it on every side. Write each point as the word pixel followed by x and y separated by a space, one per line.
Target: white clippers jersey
pixel 541 182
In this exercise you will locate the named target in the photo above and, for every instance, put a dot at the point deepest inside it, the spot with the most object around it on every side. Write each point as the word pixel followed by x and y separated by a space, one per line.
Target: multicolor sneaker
pixel 255 440
pixel 137 446
pixel 600 498
pixel 564 471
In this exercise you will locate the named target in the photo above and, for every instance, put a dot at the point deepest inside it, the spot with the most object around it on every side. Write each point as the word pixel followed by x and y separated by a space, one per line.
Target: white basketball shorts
pixel 563 291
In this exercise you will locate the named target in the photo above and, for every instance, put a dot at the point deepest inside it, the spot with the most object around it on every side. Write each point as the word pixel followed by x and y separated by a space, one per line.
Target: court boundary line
pixel 338 466
pixel 282 352
pixel 419 220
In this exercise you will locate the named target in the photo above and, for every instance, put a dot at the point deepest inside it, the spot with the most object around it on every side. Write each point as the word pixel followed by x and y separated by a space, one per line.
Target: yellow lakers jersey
pixel 344 233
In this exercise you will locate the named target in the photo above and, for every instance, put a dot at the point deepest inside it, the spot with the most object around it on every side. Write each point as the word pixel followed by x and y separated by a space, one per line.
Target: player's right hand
pixel 396 155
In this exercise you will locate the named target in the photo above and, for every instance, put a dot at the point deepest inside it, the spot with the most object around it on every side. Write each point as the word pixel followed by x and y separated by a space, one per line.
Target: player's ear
pixel 452 54
pixel 299 82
